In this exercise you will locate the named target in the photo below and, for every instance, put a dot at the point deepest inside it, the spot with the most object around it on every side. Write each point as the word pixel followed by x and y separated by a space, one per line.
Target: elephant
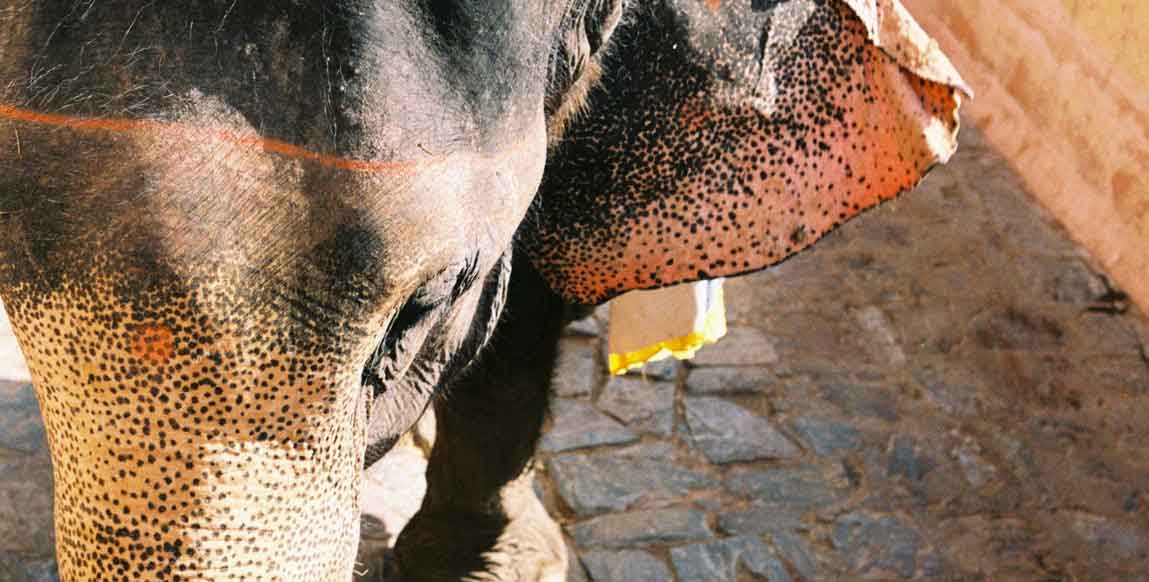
pixel 245 245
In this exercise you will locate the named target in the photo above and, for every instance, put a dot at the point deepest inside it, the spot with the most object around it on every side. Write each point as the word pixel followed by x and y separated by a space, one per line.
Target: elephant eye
pixel 418 316
pixel 435 291
pixel 449 283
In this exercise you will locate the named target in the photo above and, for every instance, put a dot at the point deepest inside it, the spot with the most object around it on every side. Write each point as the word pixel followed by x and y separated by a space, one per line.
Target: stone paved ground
pixel 944 390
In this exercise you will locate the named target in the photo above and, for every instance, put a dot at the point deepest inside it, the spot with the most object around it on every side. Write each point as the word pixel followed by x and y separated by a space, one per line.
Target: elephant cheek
pixel 186 441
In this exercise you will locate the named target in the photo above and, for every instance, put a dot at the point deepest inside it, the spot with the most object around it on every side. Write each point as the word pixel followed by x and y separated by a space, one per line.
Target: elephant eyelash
pixel 764 5
pixel 447 284
pixel 468 274
pixel 435 291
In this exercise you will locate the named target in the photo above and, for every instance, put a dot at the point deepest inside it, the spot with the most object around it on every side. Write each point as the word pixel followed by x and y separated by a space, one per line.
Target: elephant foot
pixel 525 545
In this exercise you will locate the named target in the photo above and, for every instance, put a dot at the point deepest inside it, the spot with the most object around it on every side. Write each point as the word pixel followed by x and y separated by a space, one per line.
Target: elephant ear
pixel 728 135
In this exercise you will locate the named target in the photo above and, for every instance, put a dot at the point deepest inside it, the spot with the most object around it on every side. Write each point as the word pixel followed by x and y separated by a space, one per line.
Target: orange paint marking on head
pixel 714 5
pixel 152 343
pixel 268 145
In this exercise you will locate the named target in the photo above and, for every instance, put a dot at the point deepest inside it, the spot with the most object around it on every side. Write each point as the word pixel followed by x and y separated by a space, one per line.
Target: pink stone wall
pixel 1062 93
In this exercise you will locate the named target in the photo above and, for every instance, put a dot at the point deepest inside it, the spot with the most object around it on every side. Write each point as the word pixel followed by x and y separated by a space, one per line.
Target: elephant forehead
pixel 205 189
pixel 294 141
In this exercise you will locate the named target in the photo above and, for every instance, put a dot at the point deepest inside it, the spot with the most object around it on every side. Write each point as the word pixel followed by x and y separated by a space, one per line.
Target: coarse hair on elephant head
pixel 228 230
pixel 575 65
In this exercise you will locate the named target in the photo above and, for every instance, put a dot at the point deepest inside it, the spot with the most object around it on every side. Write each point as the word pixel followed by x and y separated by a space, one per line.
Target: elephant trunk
pixel 193 447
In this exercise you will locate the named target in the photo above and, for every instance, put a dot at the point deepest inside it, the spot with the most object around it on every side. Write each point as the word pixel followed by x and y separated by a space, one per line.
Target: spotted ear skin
pixel 726 137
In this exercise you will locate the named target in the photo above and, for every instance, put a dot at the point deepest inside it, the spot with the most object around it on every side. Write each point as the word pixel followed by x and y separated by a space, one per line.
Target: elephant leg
pixel 480 518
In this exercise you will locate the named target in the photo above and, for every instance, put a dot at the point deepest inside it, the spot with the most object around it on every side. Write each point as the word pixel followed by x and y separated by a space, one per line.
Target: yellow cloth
pixel 646 326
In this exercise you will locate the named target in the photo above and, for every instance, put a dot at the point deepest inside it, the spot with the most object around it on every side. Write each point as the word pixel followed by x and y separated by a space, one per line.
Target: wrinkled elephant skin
pixel 245 245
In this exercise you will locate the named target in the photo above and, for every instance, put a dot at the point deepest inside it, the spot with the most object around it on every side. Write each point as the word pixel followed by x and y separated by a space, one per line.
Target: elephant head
pixel 226 228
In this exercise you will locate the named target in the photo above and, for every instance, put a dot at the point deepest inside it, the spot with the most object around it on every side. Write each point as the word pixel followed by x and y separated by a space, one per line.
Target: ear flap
pixel 724 139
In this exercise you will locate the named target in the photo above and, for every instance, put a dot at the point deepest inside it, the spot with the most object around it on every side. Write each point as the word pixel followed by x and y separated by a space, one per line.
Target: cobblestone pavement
pixel 943 390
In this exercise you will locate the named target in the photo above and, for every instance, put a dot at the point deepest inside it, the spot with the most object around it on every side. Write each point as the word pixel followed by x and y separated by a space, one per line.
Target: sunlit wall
pixel 1063 92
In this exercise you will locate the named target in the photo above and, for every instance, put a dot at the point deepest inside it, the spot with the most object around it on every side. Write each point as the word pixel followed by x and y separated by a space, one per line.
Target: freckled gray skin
pixel 244 245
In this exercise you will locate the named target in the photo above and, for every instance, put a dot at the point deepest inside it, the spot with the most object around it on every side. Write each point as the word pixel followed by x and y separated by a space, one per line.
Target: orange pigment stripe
pixel 274 146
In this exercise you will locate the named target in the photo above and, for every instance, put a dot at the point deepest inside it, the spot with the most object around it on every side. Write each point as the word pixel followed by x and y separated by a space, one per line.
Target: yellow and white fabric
pixel 646 326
